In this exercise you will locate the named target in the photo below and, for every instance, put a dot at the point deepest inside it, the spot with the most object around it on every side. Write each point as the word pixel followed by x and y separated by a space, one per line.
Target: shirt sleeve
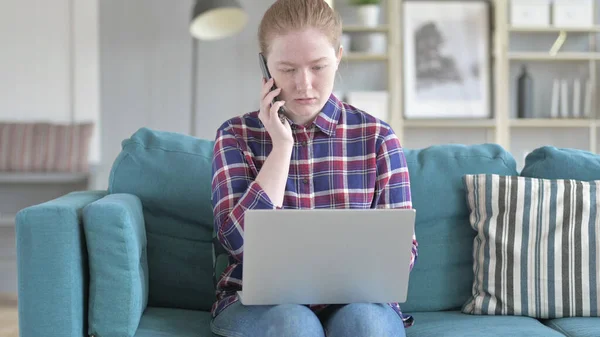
pixel 233 192
pixel 393 182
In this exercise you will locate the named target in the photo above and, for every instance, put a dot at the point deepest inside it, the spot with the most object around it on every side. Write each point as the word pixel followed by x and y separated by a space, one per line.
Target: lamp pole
pixel 211 20
pixel 193 102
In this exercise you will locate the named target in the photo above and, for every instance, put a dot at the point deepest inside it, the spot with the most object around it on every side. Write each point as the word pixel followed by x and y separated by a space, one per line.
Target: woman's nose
pixel 303 80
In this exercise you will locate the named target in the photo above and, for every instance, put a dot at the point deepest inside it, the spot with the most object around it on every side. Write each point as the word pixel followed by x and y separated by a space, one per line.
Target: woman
pixel 322 154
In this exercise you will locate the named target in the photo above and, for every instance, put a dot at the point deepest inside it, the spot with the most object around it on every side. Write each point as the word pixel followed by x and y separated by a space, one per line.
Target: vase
pixel 524 94
pixel 368 15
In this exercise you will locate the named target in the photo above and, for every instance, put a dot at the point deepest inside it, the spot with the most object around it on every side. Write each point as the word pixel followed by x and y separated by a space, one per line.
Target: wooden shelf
pixel 552 123
pixel 7 299
pixel 593 29
pixel 365 29
pixel 449 123
pixel 36 178
pixel 7 220
pixel 564 56
pixel 355 56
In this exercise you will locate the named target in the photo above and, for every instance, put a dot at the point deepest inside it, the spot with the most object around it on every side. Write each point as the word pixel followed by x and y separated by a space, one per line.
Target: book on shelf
pixel 564 98
pixel 587 103
pixel 575 104
pixel 555 99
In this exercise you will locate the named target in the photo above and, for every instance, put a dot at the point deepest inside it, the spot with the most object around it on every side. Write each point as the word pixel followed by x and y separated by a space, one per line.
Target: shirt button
pixel 304 143
pixel 305 181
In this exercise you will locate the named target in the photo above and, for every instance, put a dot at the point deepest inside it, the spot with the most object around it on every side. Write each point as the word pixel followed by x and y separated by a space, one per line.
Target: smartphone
pixel 267 76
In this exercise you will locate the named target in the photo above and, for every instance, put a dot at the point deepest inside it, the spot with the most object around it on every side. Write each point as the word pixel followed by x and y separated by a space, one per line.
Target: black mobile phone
pixel 267 76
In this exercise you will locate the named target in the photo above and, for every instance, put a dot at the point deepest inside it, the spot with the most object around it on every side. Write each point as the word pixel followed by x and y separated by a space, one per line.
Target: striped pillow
pixel 45 147
pixel 537 248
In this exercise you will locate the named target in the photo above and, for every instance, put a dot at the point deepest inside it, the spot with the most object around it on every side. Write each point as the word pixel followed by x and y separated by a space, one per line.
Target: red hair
pixel 285 16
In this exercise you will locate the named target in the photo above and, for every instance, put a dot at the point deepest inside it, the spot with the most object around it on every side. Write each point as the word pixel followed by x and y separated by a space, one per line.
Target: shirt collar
pixel 327 119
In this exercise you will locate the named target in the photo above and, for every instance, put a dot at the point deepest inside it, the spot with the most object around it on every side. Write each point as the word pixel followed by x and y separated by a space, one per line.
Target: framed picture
pixel 446 56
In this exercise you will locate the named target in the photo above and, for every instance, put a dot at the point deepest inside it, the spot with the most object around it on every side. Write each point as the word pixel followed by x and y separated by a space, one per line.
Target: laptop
pixel 326 256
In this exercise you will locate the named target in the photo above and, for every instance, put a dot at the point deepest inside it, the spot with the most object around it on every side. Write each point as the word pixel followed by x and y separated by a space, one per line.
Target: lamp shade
pixel 217 19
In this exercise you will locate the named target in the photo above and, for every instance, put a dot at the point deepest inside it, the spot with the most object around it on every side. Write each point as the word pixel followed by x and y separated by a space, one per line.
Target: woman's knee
pixel 290 320
pixel 365 320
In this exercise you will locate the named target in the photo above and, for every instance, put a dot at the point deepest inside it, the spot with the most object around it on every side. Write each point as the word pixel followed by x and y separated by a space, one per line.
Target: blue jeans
pixel 291 320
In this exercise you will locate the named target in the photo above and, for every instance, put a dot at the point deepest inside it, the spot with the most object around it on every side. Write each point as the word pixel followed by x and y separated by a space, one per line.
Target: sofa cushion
pixel 537 251
pixel 442 276
pixel 171 174
pixel 576 326
pixel 116 244
pixel 550 162
pixel 163 322
pixel 456 324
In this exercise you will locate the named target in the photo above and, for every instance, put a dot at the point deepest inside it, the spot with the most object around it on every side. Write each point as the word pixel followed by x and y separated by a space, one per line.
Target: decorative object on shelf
pixel 375 103
pixel 378 43
pixel 530 13
pixel 346 42
pixel 525 94
pixel 367 12
pixel 573 13
pixel 447 59
pixel 558 43
pixel 370 43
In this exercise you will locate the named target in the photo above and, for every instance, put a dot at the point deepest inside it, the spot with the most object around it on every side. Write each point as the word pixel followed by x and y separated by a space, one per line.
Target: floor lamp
pixel 212 20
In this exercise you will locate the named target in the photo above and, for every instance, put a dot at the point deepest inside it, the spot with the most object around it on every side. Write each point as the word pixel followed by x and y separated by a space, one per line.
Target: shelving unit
pixel 450 123
pixel 592 29
pixel 41 178
pixel 502 128
pixel 552 123
pixel 391 60
pixel 564 56
pixel 7 220
pixel 20 190
pixel 551 64
pixel 355 56
pixel 362 29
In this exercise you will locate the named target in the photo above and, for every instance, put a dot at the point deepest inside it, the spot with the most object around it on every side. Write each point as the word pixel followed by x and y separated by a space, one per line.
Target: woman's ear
pixel 339 55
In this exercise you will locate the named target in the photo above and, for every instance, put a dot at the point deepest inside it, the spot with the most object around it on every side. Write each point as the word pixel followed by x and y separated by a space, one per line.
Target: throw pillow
pixel 45 147
pixel 551 162
pixel 537 248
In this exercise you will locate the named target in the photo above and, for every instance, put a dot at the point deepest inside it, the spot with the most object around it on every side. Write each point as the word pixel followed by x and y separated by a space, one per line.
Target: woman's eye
pixel 288 70
pixel 318 67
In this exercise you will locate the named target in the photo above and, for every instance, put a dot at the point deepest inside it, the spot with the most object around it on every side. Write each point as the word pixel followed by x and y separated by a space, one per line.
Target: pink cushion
pixel 45 147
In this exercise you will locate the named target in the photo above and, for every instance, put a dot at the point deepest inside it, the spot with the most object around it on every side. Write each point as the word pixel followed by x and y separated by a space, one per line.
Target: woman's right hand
pixel 280 132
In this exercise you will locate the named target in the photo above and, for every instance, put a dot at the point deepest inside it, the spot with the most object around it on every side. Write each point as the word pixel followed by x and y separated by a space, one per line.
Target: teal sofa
pixel 138 259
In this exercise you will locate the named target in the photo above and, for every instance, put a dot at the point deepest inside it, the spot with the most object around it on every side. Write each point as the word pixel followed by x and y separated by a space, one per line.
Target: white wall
pixel 146 71
pixel 145 62
pixel 49 62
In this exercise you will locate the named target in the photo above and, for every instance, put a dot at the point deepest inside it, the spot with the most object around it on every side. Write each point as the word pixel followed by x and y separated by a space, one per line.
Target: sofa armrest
pixel 116 240
pixel 52 267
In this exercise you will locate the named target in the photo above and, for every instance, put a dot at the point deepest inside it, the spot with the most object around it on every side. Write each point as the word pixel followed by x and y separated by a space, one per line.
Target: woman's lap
pixel 282 320
pixel 359 319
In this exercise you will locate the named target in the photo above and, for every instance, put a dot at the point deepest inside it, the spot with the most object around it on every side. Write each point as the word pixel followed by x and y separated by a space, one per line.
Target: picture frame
pixel 446 59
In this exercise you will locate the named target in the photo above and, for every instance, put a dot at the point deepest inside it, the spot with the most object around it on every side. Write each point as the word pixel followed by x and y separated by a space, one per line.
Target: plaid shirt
pixel 344 159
